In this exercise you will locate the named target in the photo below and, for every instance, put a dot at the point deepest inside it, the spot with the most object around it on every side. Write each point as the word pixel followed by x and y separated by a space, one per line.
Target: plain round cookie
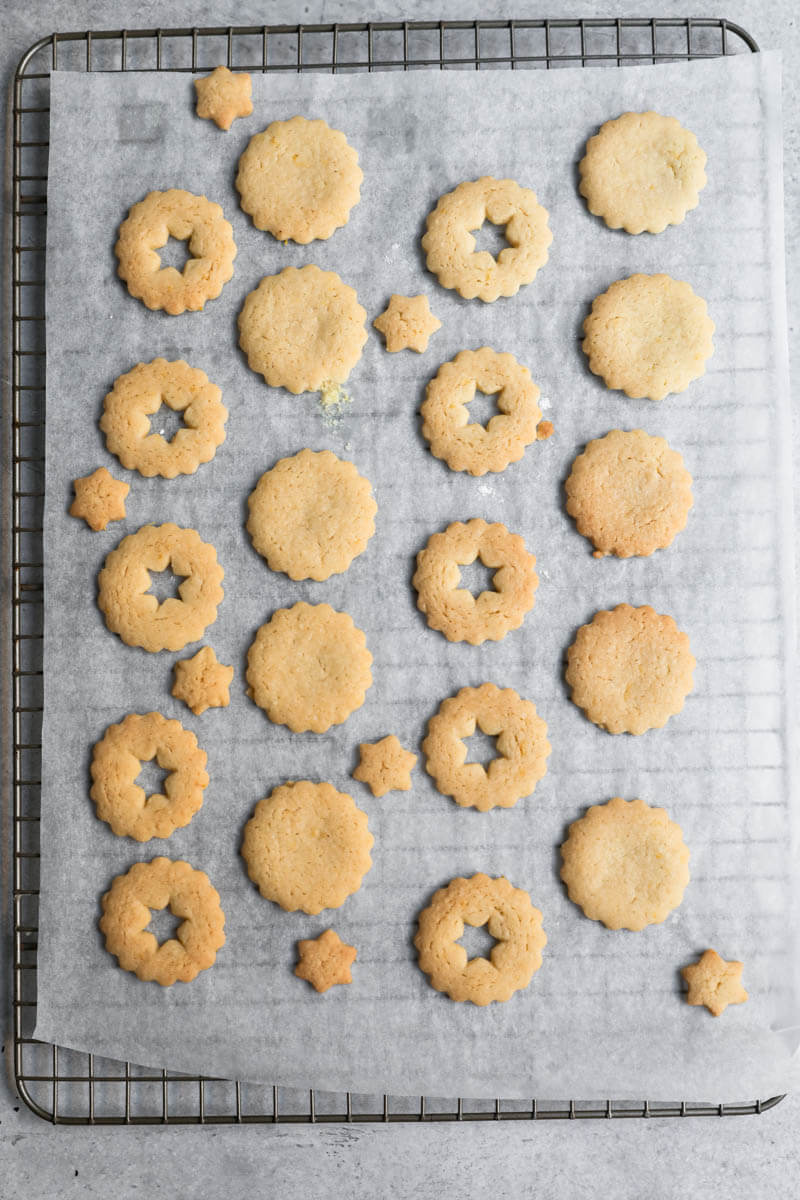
pixel 463 444
pixel 133 613
pixel 309 667
pixel 152 886
pixel 116 762
pixel 625 864
pixel 148 227
pixel 630 669
pixel 299 180
pixel 509 917
pixel 642 172
pixel 302 328
pixel 629 493
pixel 450 246
pixel 307 846
pixel 454 611
pixel 522 747
pixel 647 336
pixel 311 515
pixel 139 393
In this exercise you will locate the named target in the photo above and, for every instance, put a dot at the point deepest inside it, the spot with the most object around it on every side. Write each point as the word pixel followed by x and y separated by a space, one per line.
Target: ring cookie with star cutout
pixel 307 846
pixel 510 918
pixel 299 179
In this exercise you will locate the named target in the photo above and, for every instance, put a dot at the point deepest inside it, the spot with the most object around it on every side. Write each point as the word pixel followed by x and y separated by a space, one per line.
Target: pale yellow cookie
pixel 385 766
pixel 307 846
pixel 463 444
pixel 714 982
pixel 152 886
pixel 99 498
pixel 629 493
pixel 407 324
pixel 116 762
pixel 311 515
pixel 509 917
pixel 309 667
pixel 134 613
pixel 642 172
pixel 149 225
pixel 202 682
pixel 630 670
pixel 625 864
pixel 522 747
pixel 325 961
pixel 454 611
pixel 647 336
pixel 223 96
pixel 139 393
pixel 302 329
pixel 450 246
pixel 299 180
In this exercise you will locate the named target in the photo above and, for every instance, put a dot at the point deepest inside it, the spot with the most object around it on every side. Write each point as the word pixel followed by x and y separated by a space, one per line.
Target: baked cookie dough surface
pixel 310 515
pixel 642 172
pixel 302 329
pixel 299 179
pixel 309 667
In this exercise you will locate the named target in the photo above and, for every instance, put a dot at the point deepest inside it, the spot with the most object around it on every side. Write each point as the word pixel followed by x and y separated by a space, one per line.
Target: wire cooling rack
pixel 74 1088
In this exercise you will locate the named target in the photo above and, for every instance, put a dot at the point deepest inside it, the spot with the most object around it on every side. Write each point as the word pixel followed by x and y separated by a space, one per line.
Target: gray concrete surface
pixel 750 1157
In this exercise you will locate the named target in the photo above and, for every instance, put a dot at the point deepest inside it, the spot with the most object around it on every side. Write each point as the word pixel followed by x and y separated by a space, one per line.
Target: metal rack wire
pixel 70 1087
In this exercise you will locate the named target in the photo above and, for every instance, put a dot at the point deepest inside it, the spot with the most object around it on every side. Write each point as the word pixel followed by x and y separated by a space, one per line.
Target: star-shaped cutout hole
pixel 223 96
pixel 202 681
pixel 477 942
pixel 385 766
pixel 325 961
pixel 407 324
pixel 99 498
pixel 714 982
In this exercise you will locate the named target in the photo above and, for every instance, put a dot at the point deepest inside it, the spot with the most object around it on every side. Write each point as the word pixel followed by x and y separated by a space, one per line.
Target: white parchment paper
pixel 605 1015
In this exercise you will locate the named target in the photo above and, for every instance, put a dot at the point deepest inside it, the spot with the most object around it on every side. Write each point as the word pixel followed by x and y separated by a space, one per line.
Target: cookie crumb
pixel 544 430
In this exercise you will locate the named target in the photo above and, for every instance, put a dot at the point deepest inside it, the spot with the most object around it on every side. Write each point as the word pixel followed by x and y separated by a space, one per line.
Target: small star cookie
pixel 407 324
pixel 714 982
pixel 99 498
pixel 202 682
pixel 325 960
pixel 385 766
pixel 223 96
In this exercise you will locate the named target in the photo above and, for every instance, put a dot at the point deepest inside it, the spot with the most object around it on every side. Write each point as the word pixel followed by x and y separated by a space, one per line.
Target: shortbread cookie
pixel 139 393
pixel 385 766
pixel 510 918
pixel 463 444
pixel 307 846
pixel 325 961
pixel 311 515
pixel 302 329
pixel 134 613
pixel 625 864
pixel 648 335
pixel 629 493
pixel 714 982
pixel 299 180
pixel 454 611
pixel 202 682
pixel 116 762
pixel 522 747
pixel 148 227
pixel 642 172
pixel 450 246
pixel 152 886
pixel 630 670
pixel 99 498
pixel 407 324
pixel 223 96
pixel 309 667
